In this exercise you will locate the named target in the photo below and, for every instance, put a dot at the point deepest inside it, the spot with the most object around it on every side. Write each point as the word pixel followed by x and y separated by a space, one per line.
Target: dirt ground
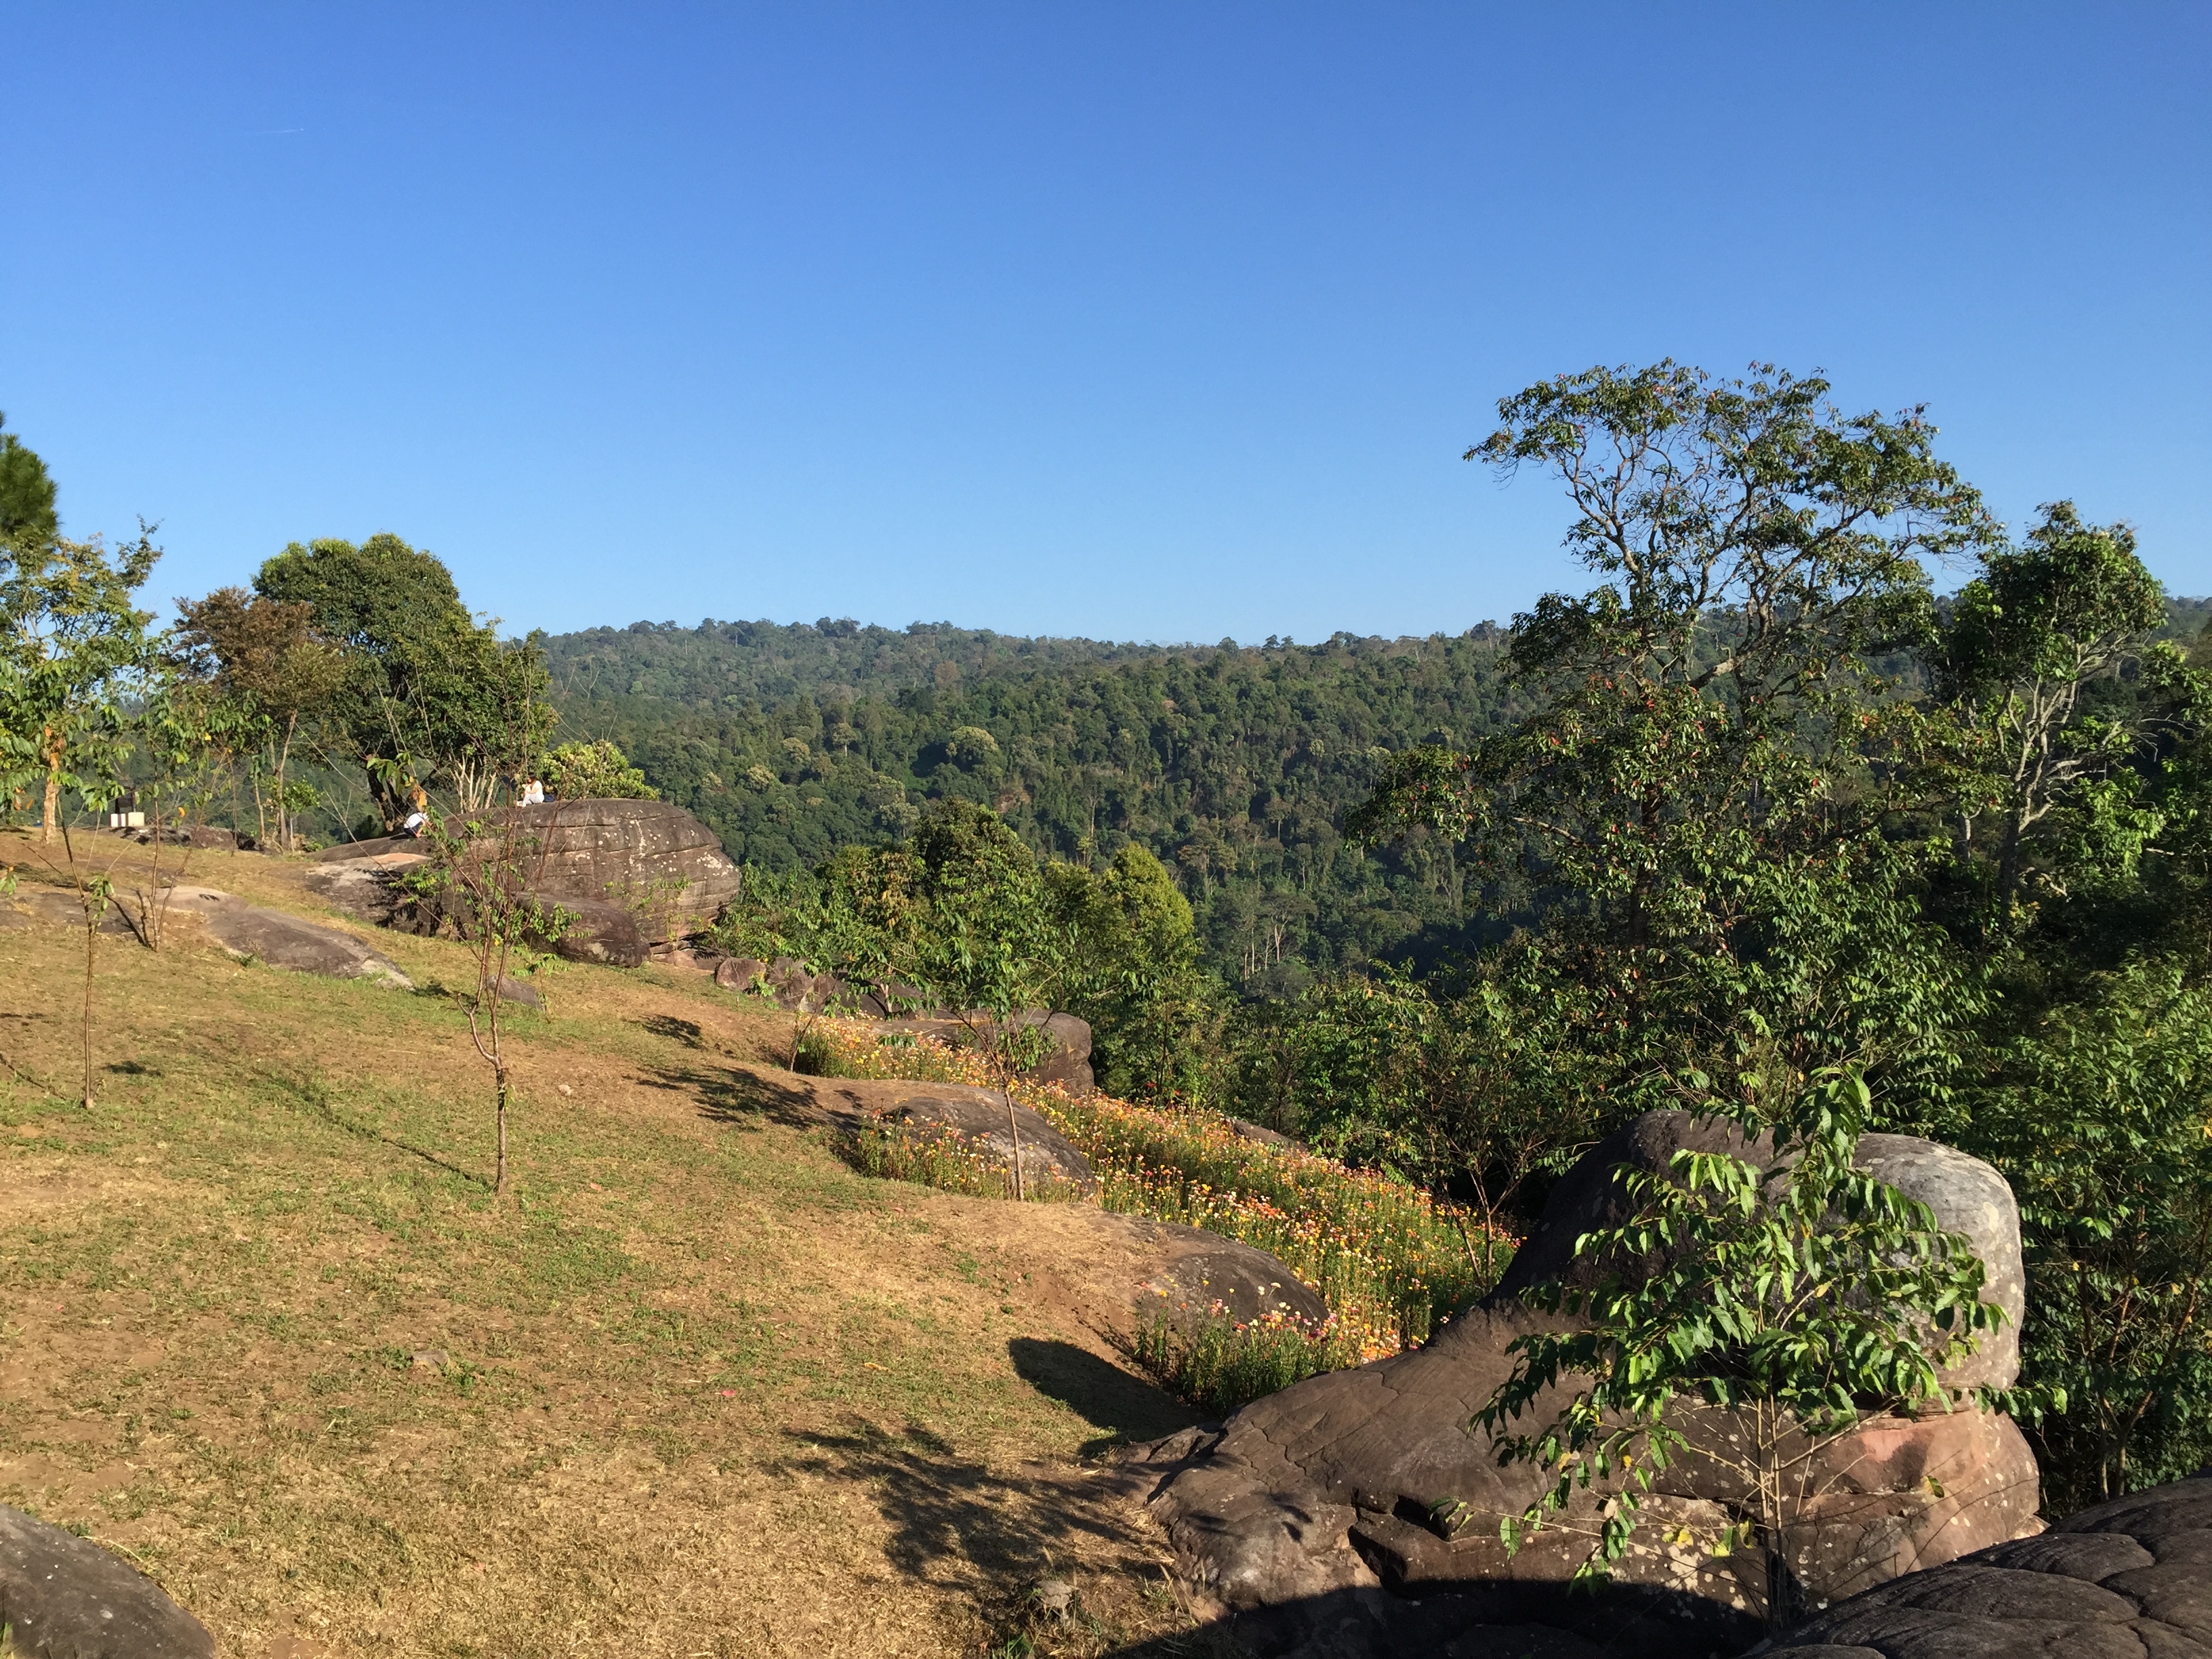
pixel 696 1387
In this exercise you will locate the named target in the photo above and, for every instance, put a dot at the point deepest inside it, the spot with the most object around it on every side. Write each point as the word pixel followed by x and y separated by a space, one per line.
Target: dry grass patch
pixel 698 1389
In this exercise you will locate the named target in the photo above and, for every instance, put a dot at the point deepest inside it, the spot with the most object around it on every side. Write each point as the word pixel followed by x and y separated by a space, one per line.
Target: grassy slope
pixel 711 1392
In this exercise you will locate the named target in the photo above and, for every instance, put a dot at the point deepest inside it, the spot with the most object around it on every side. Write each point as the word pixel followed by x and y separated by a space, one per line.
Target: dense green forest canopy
pixel 1235 766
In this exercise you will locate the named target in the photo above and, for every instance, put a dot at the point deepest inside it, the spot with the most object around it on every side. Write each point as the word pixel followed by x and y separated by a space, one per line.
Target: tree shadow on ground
pixel 315 1098
pixel 685 1031
pixel 1126 1406
pixel 984 1534
pixel 727 1095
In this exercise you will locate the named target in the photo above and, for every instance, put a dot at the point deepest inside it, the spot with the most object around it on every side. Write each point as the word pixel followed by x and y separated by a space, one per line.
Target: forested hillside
pixel 1235 766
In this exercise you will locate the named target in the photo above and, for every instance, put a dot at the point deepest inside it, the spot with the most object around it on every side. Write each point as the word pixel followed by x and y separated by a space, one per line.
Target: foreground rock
pixel 60 907
pixel 64 1597
pixel 2132 1576
pixel 1308 1516
pixel 280 939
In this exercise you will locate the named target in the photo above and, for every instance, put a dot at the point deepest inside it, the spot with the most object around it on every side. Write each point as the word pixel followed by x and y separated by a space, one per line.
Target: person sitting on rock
pixel 533 793
pixel 418 817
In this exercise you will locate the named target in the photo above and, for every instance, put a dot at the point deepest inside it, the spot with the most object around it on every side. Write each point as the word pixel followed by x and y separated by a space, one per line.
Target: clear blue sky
pixel 1163 321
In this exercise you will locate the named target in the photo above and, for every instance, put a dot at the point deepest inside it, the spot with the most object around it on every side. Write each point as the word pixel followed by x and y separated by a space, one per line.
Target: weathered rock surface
pixel 346 851
pixel 739 973
pixel 978 1117
pixel 599 932
pixel 1966 1194
pixel 60 906
pixel 283 940
pixel 650 857
pixel 64 1597
pixel 1067 1057
pixel 1312 1513
pixel 367 886
pixel 2129 1577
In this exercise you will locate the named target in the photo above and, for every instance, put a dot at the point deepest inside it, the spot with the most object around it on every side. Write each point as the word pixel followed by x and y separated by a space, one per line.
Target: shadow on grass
pixel 1126 1407
pixel 947 1514
pixel 685 1031
pixel 727 1095
pixel 315 1097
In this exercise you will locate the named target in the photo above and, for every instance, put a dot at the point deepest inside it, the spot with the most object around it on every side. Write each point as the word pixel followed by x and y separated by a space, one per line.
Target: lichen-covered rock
pixel 596 931
pixel 650 857
pixel 64 1597
pixel 2129 1578
pixel 1364 1488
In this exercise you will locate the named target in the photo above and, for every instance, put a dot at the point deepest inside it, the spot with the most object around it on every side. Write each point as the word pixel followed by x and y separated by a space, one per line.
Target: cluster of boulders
pixel 1357 1513
pixel 2127 1577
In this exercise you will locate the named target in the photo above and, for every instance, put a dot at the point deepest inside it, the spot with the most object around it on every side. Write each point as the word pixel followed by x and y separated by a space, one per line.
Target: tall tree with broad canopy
pixel 427 682
pixel 1696 806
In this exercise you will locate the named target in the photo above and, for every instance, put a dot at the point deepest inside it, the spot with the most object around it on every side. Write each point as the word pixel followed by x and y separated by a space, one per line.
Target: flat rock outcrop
pixel 283 940
pixel 2129 1578
pixel 1312 1514
pixel 64 1597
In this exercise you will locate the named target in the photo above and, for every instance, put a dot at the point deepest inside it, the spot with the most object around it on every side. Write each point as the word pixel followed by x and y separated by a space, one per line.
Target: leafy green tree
pixel 2024 642
pixel 73 649
pixel 428 691
pixel 595 771
pixel 1134 972
pixel 1477 1090
pixel 27 495
pixel 1797 1299
pixel 266 658
pixel 2096 1110
pixel 1696 806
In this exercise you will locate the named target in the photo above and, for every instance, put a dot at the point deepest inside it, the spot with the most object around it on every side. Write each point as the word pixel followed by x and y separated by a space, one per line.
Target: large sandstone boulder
pixel 1316 1514
pixel 1966 1195
pixel 2129 1578
pixel 64 1597
pixel 650 857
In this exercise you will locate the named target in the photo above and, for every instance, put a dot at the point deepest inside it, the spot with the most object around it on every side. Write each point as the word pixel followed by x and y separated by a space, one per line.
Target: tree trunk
pixel 2009 865
pixel 50 822
pixel 499 1157
pixel 91 946
pixel 1014 1128
pixel 284 812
